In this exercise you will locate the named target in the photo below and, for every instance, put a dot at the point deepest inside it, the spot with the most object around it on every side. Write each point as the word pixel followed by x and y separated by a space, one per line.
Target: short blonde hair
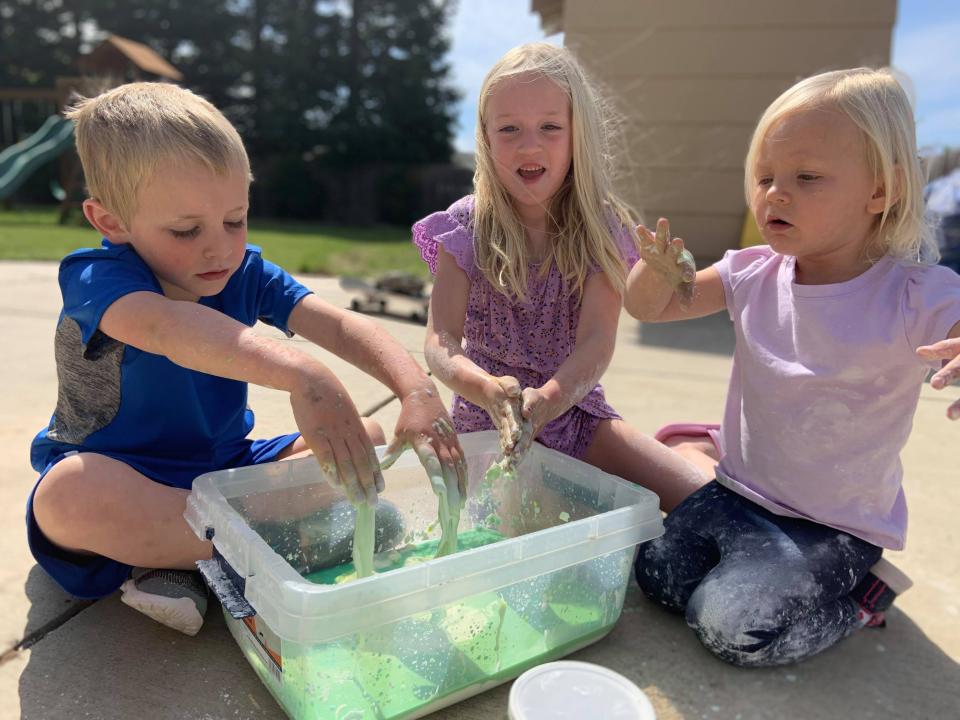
pixel 584 209
pixel 124 134
pixel 878 105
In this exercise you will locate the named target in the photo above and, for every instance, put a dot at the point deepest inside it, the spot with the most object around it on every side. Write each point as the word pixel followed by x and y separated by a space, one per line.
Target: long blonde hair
pixel 877 104
pixel 583 213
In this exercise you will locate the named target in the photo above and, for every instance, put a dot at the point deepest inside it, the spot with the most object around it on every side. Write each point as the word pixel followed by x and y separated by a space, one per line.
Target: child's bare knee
pixel 58 498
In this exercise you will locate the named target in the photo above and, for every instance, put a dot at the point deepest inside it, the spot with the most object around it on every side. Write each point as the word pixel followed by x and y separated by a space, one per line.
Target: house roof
pixel 144 57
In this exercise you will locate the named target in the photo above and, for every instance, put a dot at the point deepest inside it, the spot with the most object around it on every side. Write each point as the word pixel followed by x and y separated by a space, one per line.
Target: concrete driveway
pixel 67 659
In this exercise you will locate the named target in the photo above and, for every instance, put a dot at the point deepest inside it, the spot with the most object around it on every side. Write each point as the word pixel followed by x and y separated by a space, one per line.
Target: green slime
pixel 402 557
pixel 502 470
pixel 448 516
pixel 394 670
pixel 364 539
pixel 448 513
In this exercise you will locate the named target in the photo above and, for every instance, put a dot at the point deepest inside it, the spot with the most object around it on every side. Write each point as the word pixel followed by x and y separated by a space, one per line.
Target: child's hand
pixel 425 426
pixel 536 413
pixel 669 259
pixel 501 400
pixel 948 349
pixel 331 427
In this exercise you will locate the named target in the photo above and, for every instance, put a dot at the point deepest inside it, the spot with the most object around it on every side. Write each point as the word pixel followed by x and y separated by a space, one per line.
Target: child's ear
pixel 106 222
pixel 879 201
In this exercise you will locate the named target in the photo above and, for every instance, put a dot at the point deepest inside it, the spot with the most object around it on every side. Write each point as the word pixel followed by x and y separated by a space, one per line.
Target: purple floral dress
pixel 528 340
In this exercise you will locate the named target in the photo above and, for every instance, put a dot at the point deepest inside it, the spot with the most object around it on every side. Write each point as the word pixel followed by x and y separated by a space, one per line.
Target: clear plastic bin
pixel 552 556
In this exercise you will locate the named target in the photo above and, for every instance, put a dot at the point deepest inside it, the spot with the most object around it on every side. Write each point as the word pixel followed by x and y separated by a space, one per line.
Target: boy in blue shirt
pixel 154 349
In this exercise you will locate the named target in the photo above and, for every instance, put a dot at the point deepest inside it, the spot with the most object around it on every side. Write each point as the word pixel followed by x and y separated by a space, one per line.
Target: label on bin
pixel 266 645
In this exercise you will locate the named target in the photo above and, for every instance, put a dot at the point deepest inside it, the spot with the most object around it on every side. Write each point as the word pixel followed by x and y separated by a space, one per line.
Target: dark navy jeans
pixel 758 589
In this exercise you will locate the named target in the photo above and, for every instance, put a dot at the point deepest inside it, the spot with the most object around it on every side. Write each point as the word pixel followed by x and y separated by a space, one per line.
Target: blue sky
pixel 926 47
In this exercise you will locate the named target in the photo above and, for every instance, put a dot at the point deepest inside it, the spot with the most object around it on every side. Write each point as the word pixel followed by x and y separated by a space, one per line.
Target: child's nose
pixel 218 246
pixel 777 194
pixel 529 142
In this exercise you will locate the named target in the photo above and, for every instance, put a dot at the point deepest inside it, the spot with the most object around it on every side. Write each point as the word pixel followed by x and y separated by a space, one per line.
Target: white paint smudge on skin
pixel 446 358
pixel 443 356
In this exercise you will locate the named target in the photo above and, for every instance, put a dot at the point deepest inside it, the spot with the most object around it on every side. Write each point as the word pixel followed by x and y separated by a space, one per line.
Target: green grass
pixel 33 234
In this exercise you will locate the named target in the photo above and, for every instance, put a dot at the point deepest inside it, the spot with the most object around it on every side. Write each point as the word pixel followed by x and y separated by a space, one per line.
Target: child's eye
pixel 508 129
pixel 551 126
pixel 764 181
pixel 808 177
pixel 236 225
pixel 186 234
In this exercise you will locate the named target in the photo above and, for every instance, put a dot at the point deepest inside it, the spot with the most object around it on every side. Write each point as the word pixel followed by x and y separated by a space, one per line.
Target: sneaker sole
pixel 177 613
pixel 893 576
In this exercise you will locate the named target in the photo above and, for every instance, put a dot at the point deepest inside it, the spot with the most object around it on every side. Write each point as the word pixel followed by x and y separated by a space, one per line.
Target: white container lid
pixel 570 689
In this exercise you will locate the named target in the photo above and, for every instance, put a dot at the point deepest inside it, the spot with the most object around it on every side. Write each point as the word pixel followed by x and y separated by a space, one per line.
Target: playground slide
pixel 18 161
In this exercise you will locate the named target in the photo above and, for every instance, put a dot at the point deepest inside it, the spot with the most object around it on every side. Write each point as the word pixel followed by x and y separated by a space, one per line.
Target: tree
pixel 308 83
pixel 397 105
pixel 39 40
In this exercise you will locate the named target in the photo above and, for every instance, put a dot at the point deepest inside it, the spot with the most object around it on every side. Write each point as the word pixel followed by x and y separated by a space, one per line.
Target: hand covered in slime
pixel 532 411
pixel 669 258
pixel 501 400
pixel 425 426
pixel 948 349
pixel 331 428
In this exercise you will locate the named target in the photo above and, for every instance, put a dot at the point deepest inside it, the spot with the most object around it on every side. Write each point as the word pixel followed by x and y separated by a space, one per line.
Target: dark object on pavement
pixel 394 293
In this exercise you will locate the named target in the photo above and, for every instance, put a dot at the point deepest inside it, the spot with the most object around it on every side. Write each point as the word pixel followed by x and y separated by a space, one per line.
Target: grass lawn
pixel 32 233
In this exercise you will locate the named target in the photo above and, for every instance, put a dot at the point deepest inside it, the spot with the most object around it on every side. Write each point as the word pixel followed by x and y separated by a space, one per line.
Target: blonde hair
pixel 581 213
pixel 125 133
pixel 878 105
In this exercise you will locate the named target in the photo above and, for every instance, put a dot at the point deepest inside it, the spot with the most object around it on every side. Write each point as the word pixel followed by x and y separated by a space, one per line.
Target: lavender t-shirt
pixel 824 387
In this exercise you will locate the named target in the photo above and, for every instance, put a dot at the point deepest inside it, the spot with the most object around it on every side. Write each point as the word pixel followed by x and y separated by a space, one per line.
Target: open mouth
pixel 531 172
pixel 778 224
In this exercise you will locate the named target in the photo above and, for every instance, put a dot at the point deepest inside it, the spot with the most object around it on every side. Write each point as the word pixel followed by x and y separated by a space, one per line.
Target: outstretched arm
pixel 948 349
pixel 664 284
pixel 424 424
pixel 200 338
pixel 499 396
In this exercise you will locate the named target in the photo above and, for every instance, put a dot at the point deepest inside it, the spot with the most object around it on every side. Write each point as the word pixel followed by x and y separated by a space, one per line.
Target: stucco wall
pixel 691 78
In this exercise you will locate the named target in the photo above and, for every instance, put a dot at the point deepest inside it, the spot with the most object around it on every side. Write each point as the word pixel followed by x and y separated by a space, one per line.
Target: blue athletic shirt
pixel 168 422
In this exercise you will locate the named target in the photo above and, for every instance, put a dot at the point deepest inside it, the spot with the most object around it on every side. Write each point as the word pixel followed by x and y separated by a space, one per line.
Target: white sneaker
pixel 175 598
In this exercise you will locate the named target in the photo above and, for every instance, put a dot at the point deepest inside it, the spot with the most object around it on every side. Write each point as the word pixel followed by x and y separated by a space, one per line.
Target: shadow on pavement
pixel 711 334
pixel 109 662
pixel 890 673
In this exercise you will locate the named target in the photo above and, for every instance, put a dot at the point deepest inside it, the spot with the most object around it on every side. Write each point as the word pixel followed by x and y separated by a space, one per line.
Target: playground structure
pixel 19 161
pixel 114 61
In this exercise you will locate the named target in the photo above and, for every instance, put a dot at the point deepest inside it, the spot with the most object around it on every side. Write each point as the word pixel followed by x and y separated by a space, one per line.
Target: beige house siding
pixel 691 78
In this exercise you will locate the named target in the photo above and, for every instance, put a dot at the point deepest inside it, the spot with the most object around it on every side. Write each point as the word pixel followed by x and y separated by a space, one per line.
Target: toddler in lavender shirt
pixel 529 274
pixel 838 320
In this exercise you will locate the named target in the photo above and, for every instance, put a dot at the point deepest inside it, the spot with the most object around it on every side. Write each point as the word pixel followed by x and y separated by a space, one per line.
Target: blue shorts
pixel 94 576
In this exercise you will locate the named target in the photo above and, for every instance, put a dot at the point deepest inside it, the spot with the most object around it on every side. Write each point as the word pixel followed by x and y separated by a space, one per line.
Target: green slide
pixel 18 161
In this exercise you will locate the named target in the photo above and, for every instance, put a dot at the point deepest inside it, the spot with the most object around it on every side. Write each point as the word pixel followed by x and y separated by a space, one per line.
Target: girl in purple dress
pixel 529 274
